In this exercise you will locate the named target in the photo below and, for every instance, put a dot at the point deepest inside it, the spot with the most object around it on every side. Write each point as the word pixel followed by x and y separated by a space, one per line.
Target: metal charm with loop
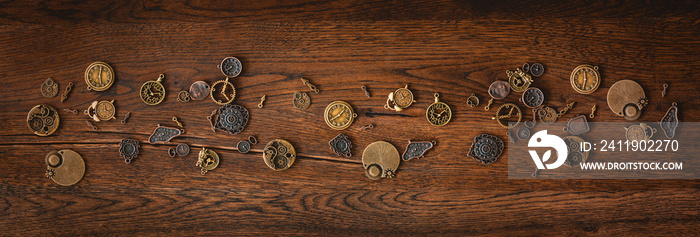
pixel 400 99
pixel 438 113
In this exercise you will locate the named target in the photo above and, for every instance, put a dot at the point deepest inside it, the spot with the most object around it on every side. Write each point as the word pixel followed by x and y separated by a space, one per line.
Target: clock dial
pixel 99 76
pixel 231 67
pixel 339 115
pixel 585 79
pixel 153 92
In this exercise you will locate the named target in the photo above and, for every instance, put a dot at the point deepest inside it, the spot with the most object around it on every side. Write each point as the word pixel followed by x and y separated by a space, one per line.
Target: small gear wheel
pixel 643 101
pixel 390 173
pixel 50 173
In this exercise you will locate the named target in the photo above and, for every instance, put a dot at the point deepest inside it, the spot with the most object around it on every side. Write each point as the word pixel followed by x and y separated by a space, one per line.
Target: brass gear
pixel 225 83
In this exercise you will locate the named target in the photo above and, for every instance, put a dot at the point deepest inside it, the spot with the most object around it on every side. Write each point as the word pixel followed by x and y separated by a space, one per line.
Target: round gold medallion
pixel 339 115
pixel 153 92
pixel 99 76
pixel 65 167
pixel 438 113
pixel 380 160
pixel 43 120
pixel 585 79
pixel 279 154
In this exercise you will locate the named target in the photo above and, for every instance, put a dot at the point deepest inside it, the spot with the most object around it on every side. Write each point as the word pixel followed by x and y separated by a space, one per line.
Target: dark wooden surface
pixel 454 48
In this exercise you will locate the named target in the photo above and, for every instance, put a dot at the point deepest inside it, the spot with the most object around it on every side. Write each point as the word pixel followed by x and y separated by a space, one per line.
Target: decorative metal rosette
pixel 486 148
pixel 230 118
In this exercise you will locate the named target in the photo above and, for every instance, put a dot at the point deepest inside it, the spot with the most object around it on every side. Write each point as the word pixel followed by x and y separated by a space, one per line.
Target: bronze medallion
pixel 380 160
pixel 279 154
pixel 301 100
pixel 65 167
pixel 626 98
pixel 199 90
pixel 99 76
pixel 43 120
pixel 497 90
pixel 49 89
pixel 486 148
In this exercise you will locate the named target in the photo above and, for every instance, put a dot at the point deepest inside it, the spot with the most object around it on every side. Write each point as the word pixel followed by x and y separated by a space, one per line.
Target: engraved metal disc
pixel 99 76
pixel 486 148
pixel 49 89
pixel 499 89
pixel 279 154
pixel 585 79
pixel 669 122
pixel 231 67
pixel 523 133
pixel 43 120
pixel 416 149
pixel 301 100
pixel 243 146
pixel 339 115
pixel 182 149
pixel 65 167
pixel 199 90
pixel 547 115
pixel 532 97
pixel 625 99
pixel 380 159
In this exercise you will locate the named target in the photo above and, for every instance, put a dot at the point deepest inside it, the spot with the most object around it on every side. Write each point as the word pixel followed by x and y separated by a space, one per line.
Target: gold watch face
pixel 105 110
pixel 438 114
pixel 153 92
pixel 585 79
pixel 339 115
pixel 99 76
pixel 403 98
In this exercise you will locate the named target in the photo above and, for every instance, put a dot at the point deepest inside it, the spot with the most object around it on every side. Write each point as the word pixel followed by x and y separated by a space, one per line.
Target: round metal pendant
pixel 231 67
pixel 576 156
pixel 129 149
pixel 243 146
pixel 499 89
pixel 438 113
pixel 199 90
pixel 279 154
pixel 523 133
pixel 518 80
pixel 49 89
pixel 339 115
pixel 65 167
pixel 505 113
pixel 341 145
pixel 153 92
pixel 43 120
pixel 101 111
pixel 585 79
pixel 626 98
pixel 536 69
pixel 380 160
pixel 547 115
pixel 183 96
pixel 182 149
pixel 486 148
pixel 641 132
pixel 231 118
pixel 208 160
pixel 225 92
pixel 99 76
pixel 532 97
pixel 403 97
pixel 301 100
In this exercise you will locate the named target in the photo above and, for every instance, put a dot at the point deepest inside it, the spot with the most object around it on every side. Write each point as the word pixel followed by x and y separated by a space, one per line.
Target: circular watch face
pixel 403 98
pixel 339 115
pixel 279 154
pixel 153 92
pixel 438 113
pixel 532 97
pixel 99 76
pixel 43 120
pixel 231 67
pixel 301 100
pixel 105 110
pixel 585 79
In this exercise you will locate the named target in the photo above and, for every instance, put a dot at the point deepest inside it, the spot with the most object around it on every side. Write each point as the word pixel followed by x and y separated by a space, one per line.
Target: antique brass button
pixel 279 154
pixel 199 90
pixel 669 122
pixel 380 160
pixel 506 120
pixel 99 76
pixel 626 98
pixel 399 99
pixel 518 80
pixel 438 113
pixel 65 167
pixel 153 92
pixel 301 100
pixel 43 120
pixel 207 160
pixel 585 79
pixel 339 115
pixel 49 89
pixel 101 111
pixel 416 149
pixel 486 148
pixel 129 149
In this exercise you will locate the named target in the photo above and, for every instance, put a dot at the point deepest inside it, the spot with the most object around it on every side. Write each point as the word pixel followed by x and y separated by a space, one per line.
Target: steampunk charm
pixel 486 148
pixel 523 133
pixel 279 154
pixel 532 97
pixel 501 116
pixel 341 145
pixel 64 96
pixel 231 118
pixel 199 90
pixel 182 149
pixel 101 111
pixel 244 146
pixel 224 84
pixel 49 89
pixel 547 115
pixel 585 79
pixel 65 167
pixel 536 69
pixel 311 86
pixel 497 90
pixel 518 80
pixel 416 149
pixel 577 125
pixel 641 132
pixel 473 101
pixel 126 117
pixel 164 134
pixel 576 155
pixel 670 121
pixel 626 98
pixel 99 76
pixel 339 115
pixel 262 99
pixel 438 113
pixel 153 92
pixel 43 120
pixel 129 149
pixel 400 99
pixel 301 100
pixel 183 96
pixel 207 160
pixel 231 67
pixel 380 160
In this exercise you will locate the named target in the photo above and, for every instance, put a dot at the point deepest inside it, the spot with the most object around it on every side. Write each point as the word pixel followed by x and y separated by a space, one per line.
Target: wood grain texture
pixel 451 47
